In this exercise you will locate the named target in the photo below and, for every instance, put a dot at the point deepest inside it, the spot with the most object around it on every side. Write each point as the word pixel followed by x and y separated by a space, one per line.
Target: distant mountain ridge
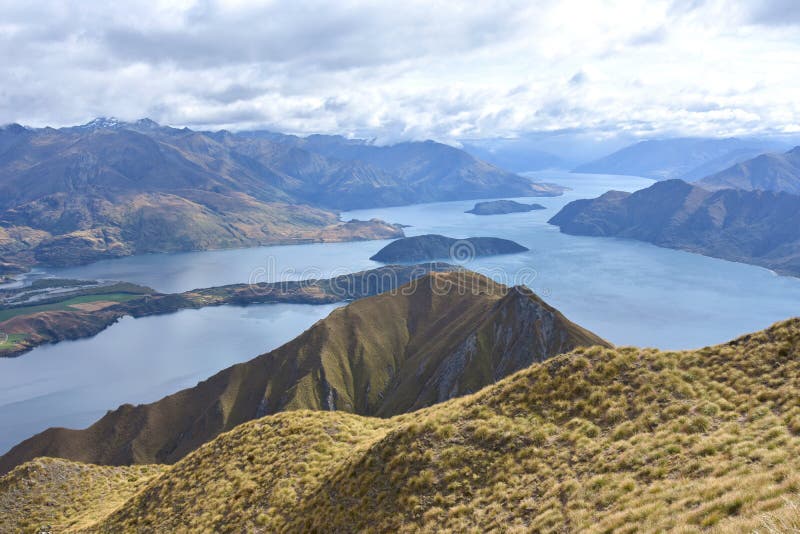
pixel 514 155
pixel 443 335
pixel 766 172
pixel 757 227
pixel 110 188
pixel 687 158
pixel 367 175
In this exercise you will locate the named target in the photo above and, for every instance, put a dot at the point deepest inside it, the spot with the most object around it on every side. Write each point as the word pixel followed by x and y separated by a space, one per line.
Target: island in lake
pixel 500 207
pixel 434 246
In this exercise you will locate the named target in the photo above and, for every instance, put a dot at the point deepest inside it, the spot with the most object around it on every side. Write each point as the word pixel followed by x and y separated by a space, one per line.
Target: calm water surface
pixel 629 292
pixel 137 360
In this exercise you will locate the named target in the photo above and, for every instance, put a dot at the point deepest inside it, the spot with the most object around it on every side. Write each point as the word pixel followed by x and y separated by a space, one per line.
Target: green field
pixel 12 341
pixel 66 304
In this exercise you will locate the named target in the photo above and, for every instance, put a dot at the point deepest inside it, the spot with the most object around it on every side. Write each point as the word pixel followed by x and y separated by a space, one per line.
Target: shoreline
pixel 53 326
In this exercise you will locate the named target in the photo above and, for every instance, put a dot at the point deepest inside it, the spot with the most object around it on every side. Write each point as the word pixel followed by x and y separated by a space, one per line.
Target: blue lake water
pixel 74 383
pixel 629 292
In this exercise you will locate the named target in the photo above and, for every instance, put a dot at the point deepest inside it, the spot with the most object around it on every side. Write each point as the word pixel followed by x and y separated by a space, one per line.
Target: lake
pixel 629 292
pixel 74 383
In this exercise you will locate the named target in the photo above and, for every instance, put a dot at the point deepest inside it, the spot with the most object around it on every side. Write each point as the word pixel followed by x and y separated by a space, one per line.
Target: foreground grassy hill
pixel 441 336
pixel 597 440
pixel 66 495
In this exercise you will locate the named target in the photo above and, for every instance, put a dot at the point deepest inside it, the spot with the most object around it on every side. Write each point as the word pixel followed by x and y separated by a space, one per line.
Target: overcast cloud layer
pixel 408 70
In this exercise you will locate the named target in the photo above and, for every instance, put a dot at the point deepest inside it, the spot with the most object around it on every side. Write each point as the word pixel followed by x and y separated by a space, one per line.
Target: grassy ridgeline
pixel 596 440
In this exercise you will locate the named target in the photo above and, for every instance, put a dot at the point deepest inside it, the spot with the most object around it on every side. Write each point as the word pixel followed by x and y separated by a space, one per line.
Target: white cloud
pixel 415 69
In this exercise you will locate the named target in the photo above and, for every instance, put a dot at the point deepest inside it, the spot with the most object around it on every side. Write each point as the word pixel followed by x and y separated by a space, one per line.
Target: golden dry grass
pixel 65 495
pixel 597 440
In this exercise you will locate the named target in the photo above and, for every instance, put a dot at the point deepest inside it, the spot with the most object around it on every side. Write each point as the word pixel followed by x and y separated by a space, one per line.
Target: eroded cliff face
pixel 519 330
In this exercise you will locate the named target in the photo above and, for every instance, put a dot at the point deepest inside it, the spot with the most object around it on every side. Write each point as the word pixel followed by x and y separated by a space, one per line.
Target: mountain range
pixel 766 172
pixel 516 155
pixel 757 227
pixel 594 440
pixel 554 149
pixel 110 188
pixel 441 336
pixel 687 158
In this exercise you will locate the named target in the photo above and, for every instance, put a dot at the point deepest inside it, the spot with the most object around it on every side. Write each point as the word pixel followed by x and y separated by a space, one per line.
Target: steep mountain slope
pixel 767 172
pixel 77 195
pixel 757 227
pixel 597 440
pixel 357 174
pixel 687 158
pixel 443 335
pixel 728 159
pixel 110 188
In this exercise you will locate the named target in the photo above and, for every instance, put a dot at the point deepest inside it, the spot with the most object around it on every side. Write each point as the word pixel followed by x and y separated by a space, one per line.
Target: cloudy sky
pixel 408 70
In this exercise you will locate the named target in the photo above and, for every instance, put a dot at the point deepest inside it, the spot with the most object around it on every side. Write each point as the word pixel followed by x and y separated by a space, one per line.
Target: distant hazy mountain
pixel 688 158
pixel 767 172
pixel 110 188
pixel 448 334
pixel 758 227
pixel 532 151
pixel 514 155
pixel 353 173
